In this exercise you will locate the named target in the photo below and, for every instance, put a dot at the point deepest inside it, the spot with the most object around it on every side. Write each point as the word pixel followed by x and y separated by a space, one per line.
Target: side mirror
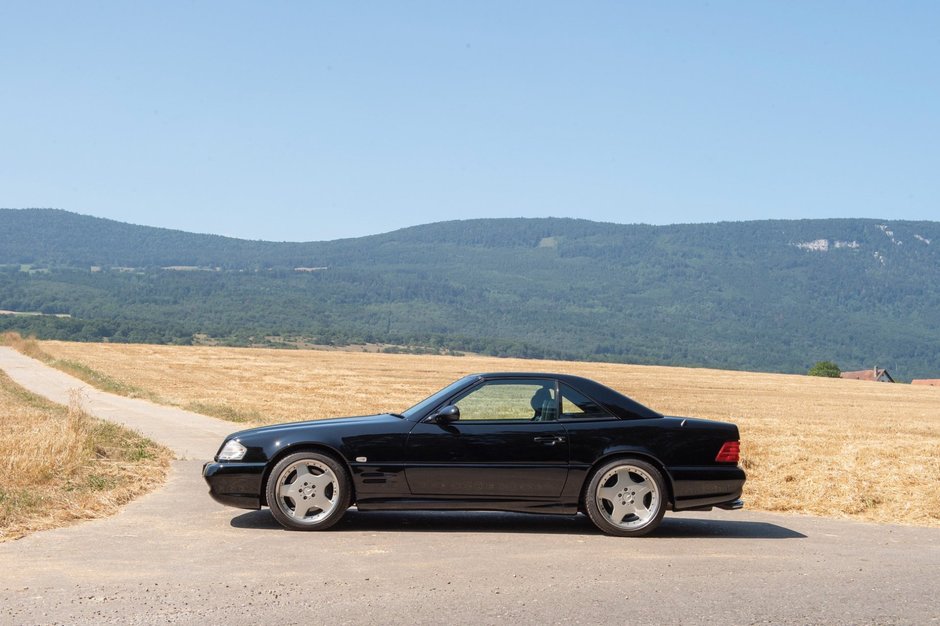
pixel 447 414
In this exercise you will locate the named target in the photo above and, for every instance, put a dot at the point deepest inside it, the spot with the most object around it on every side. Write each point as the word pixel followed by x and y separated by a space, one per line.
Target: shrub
pixel 827 369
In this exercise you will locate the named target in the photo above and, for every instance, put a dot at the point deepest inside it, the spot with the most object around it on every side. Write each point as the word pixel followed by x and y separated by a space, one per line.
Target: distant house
pixel 875 374
pixel 930 382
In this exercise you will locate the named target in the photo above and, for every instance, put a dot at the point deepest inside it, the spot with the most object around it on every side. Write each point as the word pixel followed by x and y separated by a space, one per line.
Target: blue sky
pixel 316 120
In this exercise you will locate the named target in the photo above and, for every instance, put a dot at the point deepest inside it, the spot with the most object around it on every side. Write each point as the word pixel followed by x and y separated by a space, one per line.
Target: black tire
pixel 315 482
pixel 626 497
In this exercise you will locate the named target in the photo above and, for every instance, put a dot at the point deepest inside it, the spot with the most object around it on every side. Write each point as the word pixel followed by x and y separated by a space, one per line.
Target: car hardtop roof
pixel 613 400
pixel 530 375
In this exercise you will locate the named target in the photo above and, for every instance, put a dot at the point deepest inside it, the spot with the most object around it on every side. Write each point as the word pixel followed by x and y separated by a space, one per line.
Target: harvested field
pixel 58 465
pixel 810 445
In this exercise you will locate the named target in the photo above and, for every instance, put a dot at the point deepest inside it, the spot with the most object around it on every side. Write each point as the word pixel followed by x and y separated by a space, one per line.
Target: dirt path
pixel 189 435
pixel 175 556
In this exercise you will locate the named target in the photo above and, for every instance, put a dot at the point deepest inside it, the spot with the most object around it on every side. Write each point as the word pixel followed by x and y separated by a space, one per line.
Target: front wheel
pixel 626 497
pixel 308 491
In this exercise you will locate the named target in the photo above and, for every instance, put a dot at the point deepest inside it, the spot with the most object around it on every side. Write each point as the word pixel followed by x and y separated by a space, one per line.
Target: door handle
pixel 549 440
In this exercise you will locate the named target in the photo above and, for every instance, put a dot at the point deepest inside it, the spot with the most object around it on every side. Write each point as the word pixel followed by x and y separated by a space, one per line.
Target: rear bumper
pixel 235 484
pixel 703 487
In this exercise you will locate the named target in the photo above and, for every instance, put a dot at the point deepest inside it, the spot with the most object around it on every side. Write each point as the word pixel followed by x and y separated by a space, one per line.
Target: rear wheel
pixel 626 497
pixel 308 491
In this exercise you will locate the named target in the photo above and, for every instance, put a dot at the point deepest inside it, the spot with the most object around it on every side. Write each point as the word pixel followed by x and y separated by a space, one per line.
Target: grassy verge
pixel 60 465
pixel 224 412
pixel 31 348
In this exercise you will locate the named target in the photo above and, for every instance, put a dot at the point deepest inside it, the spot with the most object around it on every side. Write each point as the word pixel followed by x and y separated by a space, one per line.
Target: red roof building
pixel 930 382
pixel 875 374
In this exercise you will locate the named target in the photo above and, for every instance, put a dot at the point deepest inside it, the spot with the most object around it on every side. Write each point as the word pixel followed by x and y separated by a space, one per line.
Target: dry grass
pixel 810 445
pixel 58 465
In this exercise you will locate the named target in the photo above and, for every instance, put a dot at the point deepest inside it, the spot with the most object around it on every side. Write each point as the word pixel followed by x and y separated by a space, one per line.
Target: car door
pixel 507 442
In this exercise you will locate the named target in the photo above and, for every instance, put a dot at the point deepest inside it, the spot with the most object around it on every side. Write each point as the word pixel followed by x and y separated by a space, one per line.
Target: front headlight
pixel 232 451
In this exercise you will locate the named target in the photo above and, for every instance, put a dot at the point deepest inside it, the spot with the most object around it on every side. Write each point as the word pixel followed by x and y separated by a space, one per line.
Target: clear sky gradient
pixel 320 120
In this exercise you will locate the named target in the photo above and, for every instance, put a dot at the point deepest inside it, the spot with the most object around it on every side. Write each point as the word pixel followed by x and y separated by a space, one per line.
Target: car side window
pixel 575 405
pixel 522 400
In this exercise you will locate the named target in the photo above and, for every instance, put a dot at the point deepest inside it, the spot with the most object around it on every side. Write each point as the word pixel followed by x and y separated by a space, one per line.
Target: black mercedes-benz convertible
pixel 526 442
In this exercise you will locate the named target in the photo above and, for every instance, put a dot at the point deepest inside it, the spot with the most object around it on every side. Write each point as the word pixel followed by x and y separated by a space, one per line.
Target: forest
pixel 760 295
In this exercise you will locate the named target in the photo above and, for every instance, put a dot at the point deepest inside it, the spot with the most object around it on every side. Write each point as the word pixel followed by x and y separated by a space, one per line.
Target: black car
pixel 526 442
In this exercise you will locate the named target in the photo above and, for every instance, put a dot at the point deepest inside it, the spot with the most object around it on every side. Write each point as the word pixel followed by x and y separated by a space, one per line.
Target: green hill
pixel 763 295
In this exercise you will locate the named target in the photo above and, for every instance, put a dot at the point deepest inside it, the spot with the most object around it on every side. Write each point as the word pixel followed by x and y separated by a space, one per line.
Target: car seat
pixel 543 405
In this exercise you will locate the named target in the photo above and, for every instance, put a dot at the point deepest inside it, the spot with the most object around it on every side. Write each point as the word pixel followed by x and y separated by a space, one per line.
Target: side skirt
pixel 545 507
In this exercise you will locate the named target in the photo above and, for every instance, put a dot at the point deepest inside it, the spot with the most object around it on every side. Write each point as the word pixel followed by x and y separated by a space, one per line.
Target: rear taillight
pixel 729 453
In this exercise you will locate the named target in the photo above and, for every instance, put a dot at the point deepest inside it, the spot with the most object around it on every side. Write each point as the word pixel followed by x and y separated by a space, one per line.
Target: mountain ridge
pixel 22 219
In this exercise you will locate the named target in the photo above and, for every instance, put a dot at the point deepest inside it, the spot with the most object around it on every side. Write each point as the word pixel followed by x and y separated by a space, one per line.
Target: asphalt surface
pixel 175 556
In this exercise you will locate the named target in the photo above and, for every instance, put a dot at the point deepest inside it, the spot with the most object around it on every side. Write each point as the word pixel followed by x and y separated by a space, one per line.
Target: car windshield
pixel 436 398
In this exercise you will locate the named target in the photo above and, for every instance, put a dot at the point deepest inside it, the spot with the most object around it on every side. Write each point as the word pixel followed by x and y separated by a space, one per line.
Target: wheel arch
pixel 306 447
pixel 640 455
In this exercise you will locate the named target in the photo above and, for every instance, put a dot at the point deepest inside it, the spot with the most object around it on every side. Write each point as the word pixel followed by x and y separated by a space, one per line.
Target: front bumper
pixel 235 484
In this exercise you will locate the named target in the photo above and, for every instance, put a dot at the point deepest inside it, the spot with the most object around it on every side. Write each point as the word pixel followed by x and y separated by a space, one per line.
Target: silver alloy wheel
pixel 307 491
pixel 628 497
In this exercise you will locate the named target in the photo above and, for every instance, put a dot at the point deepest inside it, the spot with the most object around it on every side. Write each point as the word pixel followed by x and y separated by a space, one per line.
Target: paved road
pixel 175 556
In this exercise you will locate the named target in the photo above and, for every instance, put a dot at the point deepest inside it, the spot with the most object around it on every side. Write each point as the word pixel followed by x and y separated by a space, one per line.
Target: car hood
pixel 324 423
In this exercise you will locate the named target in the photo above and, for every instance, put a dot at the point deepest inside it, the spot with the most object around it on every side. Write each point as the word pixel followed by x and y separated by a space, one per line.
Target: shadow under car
pixel 499 522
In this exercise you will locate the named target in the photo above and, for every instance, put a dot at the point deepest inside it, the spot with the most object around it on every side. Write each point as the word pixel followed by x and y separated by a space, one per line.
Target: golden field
pixel 58 465
pixel 810 445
